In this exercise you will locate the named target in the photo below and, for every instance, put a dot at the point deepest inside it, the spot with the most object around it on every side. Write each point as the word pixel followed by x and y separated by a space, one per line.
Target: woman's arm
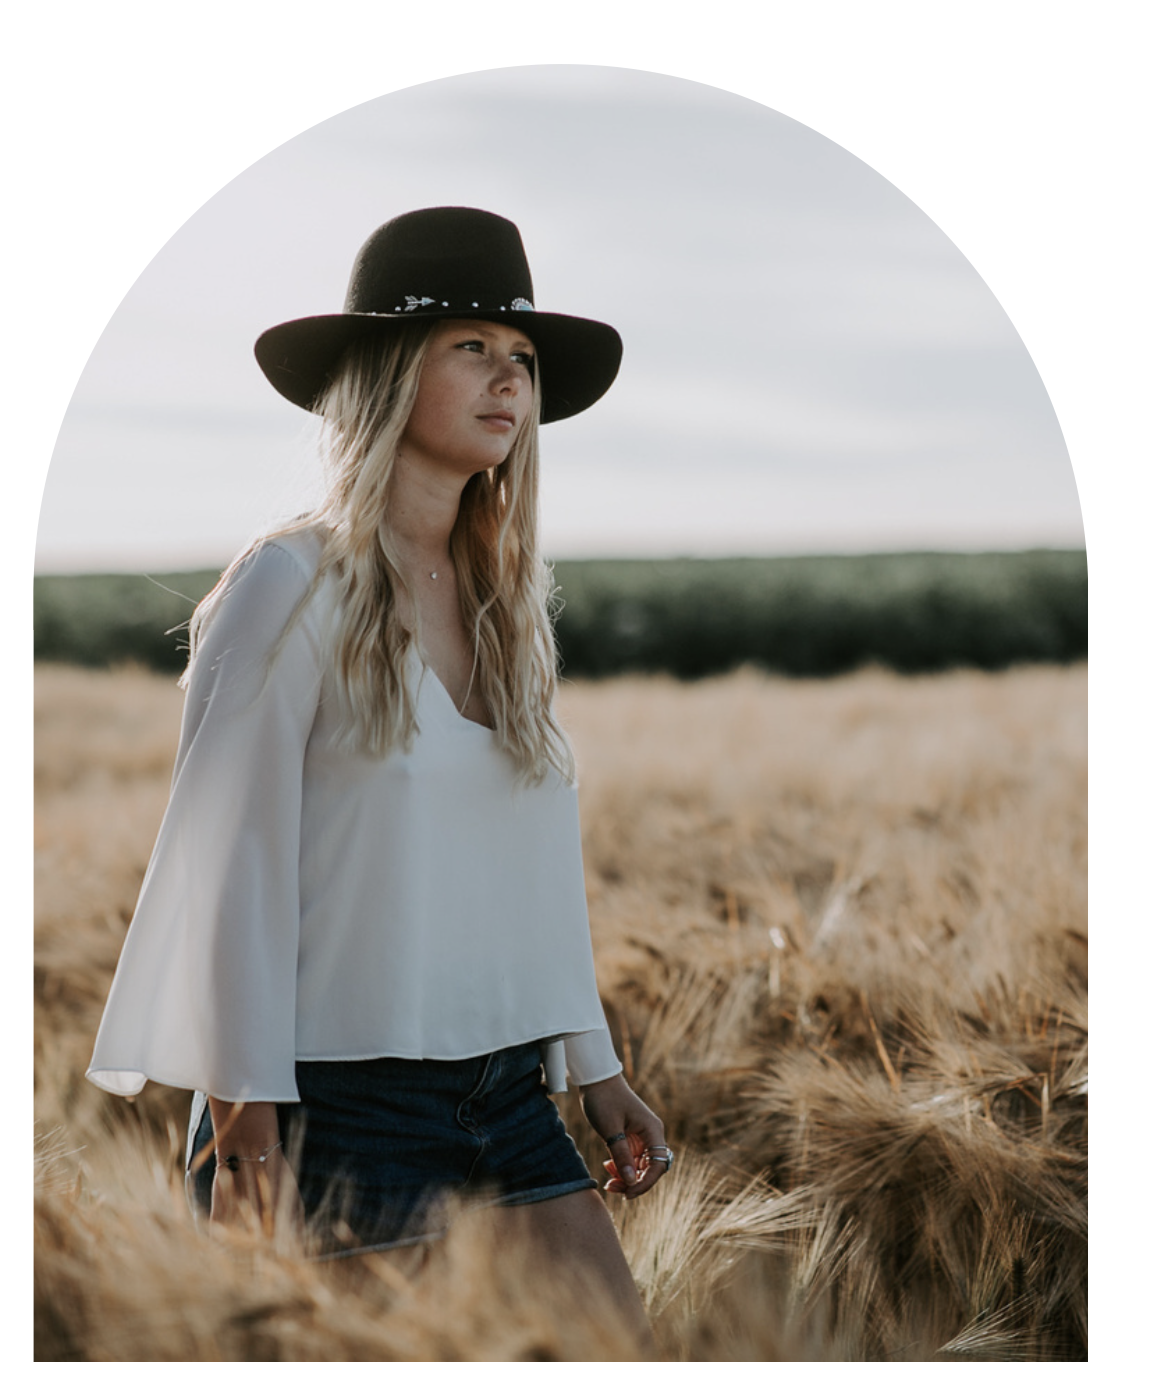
pixel 639 1154
pixel 252 1177
pixel 205 992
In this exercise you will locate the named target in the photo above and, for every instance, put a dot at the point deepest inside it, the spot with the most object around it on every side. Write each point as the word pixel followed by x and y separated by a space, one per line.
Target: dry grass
pixel 841 932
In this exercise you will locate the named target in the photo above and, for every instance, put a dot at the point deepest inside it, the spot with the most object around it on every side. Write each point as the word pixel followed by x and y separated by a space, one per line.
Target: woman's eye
pixel 477 345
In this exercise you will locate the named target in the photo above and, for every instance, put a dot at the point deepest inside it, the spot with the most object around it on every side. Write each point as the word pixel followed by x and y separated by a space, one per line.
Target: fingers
pixel 616 1185
pixel 635 1163
pixel 634 1136
pixel 656 1164
pixel 622 1158
pixel 266 1198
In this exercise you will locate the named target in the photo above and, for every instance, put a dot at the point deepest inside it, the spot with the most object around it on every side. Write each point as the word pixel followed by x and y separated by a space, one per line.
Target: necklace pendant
pixel 433 574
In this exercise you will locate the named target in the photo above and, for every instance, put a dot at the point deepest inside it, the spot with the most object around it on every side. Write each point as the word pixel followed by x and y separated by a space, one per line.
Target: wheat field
pixel 840 929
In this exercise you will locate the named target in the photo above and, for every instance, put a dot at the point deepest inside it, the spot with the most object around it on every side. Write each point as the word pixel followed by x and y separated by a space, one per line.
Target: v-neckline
pixel 427 669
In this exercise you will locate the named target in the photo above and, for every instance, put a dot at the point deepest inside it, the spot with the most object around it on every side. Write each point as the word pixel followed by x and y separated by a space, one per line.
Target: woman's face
pixel 476 391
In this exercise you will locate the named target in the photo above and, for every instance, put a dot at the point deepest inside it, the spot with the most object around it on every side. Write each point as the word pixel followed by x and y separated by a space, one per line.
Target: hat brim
pixel 577 358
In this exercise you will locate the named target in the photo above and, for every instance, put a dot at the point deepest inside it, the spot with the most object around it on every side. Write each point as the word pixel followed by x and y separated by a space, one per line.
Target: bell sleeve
pixel 585 1057
pixel 590 1056
pixel 205 991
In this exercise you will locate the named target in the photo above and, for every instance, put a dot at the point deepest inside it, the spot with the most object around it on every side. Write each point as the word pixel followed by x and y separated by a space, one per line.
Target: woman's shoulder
pixel 283 565
pixel 269 583
pixel 302 545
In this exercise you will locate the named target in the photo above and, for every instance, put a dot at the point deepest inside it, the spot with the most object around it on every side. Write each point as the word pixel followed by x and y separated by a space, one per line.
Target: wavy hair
pixel 505 587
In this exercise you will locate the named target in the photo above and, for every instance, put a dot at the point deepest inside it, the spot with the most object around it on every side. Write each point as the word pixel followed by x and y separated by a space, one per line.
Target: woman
pixel 362 937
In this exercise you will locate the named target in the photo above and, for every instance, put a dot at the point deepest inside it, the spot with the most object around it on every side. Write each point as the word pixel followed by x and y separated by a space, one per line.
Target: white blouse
pixel 304 902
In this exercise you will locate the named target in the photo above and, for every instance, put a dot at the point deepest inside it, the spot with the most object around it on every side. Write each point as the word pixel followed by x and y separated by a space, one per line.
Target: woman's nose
pixel 507 375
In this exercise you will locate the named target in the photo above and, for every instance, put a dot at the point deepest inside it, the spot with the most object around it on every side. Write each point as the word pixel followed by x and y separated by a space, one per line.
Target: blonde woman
pixel 362 937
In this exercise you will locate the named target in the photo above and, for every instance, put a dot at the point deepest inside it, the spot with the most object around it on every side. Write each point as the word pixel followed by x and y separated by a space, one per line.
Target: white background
pixel 1027 130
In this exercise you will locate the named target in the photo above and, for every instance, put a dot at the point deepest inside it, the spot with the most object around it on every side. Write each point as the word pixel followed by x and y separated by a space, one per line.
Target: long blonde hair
pixel 504 585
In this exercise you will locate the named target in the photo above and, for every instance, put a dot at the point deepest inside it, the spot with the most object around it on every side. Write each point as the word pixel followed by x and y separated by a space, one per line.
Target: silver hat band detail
pixel 415 301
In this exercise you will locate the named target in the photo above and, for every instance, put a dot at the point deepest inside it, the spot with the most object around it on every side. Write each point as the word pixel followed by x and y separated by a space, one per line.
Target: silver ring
pixel 618 1137
pixel 667 1160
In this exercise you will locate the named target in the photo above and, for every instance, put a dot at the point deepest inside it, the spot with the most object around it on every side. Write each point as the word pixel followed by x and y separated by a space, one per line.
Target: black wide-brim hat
pixel 444 262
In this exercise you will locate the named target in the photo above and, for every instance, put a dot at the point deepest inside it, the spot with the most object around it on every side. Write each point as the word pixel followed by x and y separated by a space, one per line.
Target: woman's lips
pixel 502 419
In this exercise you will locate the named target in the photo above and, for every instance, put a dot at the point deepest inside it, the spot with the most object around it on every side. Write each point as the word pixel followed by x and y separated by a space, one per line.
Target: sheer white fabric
pixel 307 903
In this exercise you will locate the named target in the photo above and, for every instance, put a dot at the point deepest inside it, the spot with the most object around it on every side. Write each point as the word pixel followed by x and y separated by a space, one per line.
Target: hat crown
pixel 441 259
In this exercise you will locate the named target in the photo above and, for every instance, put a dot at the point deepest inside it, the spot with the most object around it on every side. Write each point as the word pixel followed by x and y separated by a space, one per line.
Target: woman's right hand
pixel 263 1192
pixel 258 1185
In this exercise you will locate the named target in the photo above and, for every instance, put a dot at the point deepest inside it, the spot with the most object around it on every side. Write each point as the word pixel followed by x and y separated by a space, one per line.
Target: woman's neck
pixel 422 510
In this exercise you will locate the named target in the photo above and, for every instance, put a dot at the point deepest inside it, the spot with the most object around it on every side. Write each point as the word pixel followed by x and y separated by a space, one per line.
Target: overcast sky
pixel 811 365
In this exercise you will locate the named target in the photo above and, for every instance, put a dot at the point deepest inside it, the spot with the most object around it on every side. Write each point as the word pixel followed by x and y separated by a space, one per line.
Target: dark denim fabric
pixel 377 1145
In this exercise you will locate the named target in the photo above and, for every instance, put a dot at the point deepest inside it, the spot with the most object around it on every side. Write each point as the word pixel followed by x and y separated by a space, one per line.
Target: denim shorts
pixel 379 1145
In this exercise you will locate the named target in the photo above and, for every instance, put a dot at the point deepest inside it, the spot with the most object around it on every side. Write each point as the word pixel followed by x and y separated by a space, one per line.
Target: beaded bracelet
pixel 232 1163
